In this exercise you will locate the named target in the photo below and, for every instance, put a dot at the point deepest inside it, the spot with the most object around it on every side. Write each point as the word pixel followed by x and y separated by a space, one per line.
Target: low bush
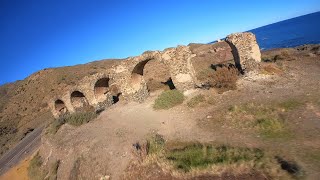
pixel 75 119
pixel 225 78
pixel 80 118
pixel 168 99
pixel 196 100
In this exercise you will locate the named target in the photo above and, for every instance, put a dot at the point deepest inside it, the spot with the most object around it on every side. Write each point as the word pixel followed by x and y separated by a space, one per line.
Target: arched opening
pixel 155 74
pixel 137 74
pixel 60 107
pixel 101 88
pixel 78 100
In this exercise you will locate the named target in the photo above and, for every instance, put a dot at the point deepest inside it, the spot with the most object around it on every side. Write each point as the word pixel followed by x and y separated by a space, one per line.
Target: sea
pixel 289 33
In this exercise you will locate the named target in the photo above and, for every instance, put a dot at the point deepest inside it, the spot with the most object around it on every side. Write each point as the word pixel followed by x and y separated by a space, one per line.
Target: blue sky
pixel 52 33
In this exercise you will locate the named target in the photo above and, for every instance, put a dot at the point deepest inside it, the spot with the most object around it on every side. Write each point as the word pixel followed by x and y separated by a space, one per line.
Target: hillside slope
pixel 23 104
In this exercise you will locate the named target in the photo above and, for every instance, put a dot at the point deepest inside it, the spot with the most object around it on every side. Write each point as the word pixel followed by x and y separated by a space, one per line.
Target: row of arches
pixel 150 72
pixel 78 99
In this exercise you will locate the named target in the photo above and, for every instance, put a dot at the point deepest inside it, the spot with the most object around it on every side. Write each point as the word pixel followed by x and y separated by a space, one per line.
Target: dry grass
pixel 168 99
pixel 266 120
pixel 200 156
pixel 154 85
pixel 225 78
pixel 270 69
pixel 290 104
pixel 196 100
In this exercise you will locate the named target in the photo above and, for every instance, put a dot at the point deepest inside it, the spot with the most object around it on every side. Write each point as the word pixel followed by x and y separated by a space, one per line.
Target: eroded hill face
pixel 24 104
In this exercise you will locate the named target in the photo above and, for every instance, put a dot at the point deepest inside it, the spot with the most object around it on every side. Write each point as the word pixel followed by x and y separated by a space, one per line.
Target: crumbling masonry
pixel 127 77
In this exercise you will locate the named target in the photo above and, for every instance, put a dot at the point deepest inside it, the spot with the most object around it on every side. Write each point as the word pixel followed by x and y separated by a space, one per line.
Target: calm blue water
pixel 289 33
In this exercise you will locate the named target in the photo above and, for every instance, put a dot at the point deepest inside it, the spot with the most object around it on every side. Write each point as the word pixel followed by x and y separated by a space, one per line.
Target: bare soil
pixel 18 172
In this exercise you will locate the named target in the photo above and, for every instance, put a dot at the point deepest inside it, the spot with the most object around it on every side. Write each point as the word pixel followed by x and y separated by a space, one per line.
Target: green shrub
pixel 168 99
pixel 193 102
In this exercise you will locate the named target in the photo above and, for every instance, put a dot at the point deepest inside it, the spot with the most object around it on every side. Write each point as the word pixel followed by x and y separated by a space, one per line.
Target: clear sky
pixel 37 34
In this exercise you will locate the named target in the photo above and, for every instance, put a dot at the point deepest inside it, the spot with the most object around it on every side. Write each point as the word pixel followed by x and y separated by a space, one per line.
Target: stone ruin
pixel 101 90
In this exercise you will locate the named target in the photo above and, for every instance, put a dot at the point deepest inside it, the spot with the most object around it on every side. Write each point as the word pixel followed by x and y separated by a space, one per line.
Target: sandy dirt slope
pixel 19 172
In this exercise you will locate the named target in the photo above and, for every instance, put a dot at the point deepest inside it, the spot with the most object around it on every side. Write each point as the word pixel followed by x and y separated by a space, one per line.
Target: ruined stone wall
pixel 245 50
pixel 86 87
pixel 127 76
pixel 180 67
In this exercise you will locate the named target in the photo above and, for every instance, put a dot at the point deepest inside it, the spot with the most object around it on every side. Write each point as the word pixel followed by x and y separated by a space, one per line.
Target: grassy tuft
pixel 75 119
pixel 202 156
pixel 190 158
pixel 265 119
pixel 155 144
pixel 290 104
pixel 193 102
pixel 168 99
pixel 80 118
pixel 272 128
